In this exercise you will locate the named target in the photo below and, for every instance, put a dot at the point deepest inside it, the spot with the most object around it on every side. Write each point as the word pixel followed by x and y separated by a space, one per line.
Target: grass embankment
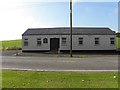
pixel 10 44
pixel 27 79
pixel 118 43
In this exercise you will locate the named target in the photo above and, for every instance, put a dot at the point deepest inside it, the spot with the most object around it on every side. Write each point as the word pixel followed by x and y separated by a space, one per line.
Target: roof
pixel 66 31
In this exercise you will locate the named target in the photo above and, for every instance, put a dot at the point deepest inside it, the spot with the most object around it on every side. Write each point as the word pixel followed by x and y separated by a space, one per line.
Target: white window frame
pixel 64 41
pixel 26 42
pixel 80 39
pixel 97 39
pixel 45 40
pixel 39 41
pixel 112 39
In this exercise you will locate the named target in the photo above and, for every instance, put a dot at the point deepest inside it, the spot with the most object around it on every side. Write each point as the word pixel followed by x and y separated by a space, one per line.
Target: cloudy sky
pixel 18 15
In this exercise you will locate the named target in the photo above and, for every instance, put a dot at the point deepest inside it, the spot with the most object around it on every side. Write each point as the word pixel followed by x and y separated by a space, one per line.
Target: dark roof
pixel 66 31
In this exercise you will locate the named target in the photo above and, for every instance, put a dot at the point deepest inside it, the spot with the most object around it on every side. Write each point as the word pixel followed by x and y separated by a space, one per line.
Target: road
pixel 60 63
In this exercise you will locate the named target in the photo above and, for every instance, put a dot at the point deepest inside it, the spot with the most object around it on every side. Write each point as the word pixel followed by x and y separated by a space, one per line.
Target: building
pixel 51 39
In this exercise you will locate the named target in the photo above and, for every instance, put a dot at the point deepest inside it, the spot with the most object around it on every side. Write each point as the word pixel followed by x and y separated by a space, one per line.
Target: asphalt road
pixel 59 63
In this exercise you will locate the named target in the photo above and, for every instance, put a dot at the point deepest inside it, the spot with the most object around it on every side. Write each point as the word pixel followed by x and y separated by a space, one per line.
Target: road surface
pixel 60 63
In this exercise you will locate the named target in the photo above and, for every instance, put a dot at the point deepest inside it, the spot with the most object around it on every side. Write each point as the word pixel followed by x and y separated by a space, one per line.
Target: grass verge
pixel 10 44
pixel 28 79
pixel 118 43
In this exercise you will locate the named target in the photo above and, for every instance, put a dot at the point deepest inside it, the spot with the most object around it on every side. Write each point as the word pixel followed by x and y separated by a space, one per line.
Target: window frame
pixel 39 41
pixel 64 41
pixel 97 41
pixel 80 41
pixel 26 42
pixel 112 39
pixel 45 40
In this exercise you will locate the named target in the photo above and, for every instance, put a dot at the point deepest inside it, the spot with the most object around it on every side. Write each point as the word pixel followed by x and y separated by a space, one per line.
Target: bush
pixel 118 35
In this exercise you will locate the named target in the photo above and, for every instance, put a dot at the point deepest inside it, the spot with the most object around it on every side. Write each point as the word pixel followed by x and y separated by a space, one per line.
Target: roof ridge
pixel 65 31
pixel 73 28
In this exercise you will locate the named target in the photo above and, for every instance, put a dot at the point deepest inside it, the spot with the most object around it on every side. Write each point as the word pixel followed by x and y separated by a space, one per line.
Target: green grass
pixel 28 79
pixel 118 43
pixel 10 44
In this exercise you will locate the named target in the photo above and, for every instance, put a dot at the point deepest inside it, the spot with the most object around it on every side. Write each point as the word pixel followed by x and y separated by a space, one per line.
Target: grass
pixel 29 79
pixel 118 43
pixel 10 44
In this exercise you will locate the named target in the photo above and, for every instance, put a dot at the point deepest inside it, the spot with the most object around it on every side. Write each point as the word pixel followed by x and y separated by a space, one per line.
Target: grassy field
pixel 10 44
pixel 118 43
pixel 27 79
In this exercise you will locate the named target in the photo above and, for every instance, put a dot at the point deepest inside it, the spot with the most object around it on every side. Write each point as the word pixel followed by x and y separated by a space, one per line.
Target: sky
pixel 16 16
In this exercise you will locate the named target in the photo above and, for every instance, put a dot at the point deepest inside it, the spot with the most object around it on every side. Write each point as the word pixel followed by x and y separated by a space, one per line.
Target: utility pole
pixel 70 28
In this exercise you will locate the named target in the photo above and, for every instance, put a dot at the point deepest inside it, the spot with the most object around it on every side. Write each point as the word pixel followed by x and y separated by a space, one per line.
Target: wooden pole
pixel 70 28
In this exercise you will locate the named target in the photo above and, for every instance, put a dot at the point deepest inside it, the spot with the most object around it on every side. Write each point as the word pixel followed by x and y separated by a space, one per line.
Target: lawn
pixel 10 44
pixel 29 79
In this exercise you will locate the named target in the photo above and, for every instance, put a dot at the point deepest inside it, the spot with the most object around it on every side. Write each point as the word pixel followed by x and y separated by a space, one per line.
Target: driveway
pixel 104 62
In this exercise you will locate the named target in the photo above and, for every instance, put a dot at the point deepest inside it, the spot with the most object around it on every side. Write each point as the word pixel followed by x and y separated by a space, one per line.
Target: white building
pixel 50 39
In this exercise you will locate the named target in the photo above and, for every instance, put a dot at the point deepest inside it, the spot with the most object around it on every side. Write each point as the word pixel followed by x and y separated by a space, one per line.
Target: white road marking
pixel 43 70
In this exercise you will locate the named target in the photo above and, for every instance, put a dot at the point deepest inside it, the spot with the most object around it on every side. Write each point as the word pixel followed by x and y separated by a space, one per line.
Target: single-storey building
pixel 51 39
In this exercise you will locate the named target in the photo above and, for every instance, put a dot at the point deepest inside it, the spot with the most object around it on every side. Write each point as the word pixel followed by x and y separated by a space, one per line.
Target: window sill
pixel 97 45
pixel 80 44
pixel 64 45
pixel 112 44
pixel 39 45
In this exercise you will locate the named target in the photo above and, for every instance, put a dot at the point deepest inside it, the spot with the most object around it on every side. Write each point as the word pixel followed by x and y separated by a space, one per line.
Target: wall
pixel 88 42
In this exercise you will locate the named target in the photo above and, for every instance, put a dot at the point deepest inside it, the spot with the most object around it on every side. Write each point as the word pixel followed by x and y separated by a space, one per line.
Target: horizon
pixel 60 27
pixel 17 17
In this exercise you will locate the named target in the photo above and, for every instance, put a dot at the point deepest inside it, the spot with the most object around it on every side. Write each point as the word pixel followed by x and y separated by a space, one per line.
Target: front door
pixel 54 44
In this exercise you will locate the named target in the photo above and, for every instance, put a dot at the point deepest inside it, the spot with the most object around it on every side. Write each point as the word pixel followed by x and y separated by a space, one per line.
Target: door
pixel 54 44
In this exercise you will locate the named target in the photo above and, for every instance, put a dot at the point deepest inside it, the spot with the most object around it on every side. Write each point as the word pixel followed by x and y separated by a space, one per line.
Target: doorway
pixel 54 44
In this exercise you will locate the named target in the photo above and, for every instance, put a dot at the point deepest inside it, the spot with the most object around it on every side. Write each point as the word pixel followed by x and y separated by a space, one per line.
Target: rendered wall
pixel 88 42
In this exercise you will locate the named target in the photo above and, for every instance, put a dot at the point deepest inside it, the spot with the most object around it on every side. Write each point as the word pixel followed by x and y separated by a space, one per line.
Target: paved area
pixel 104 62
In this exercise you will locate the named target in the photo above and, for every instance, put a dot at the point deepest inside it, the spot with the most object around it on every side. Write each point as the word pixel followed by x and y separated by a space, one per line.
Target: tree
pixel 118 34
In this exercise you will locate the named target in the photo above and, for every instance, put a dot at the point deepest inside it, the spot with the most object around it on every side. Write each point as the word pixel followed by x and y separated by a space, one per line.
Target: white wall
pixel 33 42
pixel 88 42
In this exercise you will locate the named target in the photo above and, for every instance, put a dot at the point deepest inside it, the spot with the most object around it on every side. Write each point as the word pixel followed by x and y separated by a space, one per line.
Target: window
pixel 80 40
pixel 96 41
pixel 45 40
pixel 25 39
pixel 63 41
pixel 112 41
pixel 38 41
pixel 25 42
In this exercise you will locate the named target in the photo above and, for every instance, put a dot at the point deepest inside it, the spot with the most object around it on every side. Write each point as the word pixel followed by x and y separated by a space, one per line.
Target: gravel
pixel 44 54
